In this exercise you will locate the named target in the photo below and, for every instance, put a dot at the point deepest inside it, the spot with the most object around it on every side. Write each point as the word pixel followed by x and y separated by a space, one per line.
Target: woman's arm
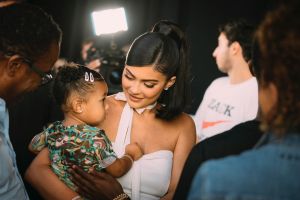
pixel 185 143
pixel 41 177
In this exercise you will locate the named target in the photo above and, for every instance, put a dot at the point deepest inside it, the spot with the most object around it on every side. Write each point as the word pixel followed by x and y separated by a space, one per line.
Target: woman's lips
pixel 134 98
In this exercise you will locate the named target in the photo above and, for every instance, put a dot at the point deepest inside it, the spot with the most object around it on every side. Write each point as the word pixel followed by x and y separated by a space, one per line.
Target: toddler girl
pixel 81 92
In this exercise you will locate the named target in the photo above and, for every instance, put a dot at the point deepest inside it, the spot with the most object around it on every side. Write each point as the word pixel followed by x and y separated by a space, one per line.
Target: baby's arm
pixel 122 165
pixel 37 143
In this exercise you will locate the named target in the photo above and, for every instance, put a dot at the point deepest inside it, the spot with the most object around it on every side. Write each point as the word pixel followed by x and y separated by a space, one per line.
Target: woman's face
pixel 143 85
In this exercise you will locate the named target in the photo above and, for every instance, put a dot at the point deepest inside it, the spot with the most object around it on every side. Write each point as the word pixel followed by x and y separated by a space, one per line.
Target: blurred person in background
pixel 271 170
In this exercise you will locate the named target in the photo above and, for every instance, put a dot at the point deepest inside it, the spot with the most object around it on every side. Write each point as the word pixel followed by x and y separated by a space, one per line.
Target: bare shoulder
pixel 185 120
pixel 186 137
pixel 185 124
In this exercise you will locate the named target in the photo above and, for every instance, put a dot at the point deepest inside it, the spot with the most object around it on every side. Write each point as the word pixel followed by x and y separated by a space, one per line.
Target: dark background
pixel 200 19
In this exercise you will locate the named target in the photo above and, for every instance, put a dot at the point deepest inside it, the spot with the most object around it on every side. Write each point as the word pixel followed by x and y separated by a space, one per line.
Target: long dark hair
pixel 165 47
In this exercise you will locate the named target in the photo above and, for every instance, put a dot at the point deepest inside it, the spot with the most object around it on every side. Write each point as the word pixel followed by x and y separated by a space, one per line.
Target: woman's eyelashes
pixel 128 77
pixel 147 84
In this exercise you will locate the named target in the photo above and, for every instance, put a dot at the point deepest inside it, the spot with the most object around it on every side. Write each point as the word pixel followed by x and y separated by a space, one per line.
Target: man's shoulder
pixel 220 80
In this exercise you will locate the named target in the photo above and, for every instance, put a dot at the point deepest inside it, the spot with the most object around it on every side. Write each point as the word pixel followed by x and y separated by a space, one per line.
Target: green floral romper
pixel 82 145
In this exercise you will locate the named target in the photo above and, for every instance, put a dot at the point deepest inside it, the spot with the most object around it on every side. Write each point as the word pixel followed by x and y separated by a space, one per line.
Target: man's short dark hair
pixel 242 32
pixel 27 30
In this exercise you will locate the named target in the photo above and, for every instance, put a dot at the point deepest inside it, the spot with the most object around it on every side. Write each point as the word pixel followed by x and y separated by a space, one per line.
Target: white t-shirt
pixel 225 105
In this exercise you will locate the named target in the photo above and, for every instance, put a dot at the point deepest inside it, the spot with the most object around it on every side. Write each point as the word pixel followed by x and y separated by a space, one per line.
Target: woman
pixel 149 112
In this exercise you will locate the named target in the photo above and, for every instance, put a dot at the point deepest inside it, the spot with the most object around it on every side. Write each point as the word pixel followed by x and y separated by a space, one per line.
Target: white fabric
pixel 225 105
pixel 149 177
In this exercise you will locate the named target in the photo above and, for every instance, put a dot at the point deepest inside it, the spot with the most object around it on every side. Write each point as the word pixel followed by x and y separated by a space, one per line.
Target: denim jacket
pixel 270 171
pixel 11 184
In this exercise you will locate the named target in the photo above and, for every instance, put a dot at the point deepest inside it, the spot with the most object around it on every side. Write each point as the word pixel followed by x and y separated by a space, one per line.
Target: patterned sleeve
pixel 105 154
pixel 38 142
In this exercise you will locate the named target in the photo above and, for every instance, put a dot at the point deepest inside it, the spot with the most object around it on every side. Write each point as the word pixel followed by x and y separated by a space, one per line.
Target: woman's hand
pixel 95 185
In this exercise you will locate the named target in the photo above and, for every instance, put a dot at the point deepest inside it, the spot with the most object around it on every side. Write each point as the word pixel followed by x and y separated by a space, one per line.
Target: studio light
pixel 109 21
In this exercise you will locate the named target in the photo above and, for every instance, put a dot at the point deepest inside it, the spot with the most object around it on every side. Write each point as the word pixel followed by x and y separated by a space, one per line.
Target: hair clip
pixel 86 77
pixel 89 78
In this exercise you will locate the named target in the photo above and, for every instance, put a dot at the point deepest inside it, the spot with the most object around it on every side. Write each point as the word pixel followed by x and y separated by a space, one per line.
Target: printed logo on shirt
pixel 206 124
pixel 220 107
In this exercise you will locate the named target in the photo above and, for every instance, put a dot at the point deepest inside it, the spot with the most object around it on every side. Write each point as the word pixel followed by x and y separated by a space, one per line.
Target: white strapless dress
pixel 149 177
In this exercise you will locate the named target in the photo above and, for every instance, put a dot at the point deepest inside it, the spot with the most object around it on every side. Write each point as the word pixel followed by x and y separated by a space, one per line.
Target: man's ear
pixel 170 82
pixel 235 48
pixel 14 64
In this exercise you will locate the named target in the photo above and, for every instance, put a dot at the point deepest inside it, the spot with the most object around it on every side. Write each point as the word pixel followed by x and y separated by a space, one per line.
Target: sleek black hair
pixel 27 30
pixel 73 78
pixel 240 31
pixel 165 47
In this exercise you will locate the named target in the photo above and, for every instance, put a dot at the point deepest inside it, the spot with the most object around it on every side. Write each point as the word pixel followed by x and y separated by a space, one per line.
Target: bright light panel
pixel 109 21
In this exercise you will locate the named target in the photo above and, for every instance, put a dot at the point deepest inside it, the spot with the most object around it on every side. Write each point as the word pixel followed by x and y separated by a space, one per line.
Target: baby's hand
pixel 134 150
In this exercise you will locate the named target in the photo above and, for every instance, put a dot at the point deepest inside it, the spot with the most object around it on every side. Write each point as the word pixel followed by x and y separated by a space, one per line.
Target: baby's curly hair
pixel 73 78
pixel 278 40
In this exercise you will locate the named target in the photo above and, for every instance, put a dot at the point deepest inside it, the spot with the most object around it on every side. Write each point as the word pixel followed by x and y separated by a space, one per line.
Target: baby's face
pixel 95 106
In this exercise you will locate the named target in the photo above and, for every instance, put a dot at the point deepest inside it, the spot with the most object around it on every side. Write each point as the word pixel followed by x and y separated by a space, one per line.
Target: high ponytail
pixel 166 48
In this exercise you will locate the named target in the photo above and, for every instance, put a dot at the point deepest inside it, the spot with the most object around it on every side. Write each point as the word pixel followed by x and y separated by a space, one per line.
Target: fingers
pixel 101 175
pixel 81 175
pixel 95 185
pixel 84 194
pixel 87 182
pixel 81 178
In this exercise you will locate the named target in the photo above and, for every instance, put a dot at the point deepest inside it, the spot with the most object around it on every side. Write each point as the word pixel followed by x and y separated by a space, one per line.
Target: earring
pixel 166 88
